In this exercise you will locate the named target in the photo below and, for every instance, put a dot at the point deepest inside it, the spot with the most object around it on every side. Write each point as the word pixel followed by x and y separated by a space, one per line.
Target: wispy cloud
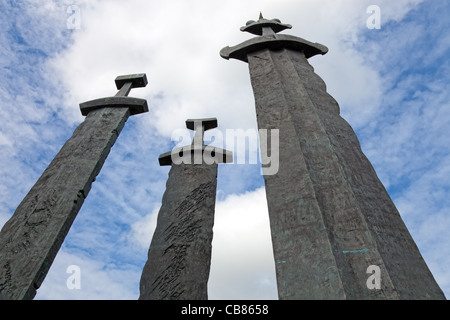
pixel 408 142
pixel 390 84
pixel 242 249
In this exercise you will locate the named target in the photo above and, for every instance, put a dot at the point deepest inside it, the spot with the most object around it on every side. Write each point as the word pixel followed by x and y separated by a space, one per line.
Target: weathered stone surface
pixel 309 198
pixel 379 218
pixel 30 240
pixel 330 216
pixel 179 257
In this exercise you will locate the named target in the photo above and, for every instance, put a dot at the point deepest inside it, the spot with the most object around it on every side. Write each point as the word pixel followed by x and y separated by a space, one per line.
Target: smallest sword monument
pixel 179 257
pixel 30 240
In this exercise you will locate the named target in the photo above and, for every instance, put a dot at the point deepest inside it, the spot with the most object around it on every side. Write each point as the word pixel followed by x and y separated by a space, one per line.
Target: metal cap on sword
pixel 268 30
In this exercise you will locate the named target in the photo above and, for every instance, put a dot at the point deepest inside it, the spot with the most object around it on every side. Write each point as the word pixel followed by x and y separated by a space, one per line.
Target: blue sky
pixel 391 85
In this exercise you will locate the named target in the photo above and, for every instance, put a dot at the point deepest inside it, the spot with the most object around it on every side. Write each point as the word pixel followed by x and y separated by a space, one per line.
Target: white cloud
pixel 177 44
pixel 142 230
pixel 175 58
pixel 97 280
pixel 242 265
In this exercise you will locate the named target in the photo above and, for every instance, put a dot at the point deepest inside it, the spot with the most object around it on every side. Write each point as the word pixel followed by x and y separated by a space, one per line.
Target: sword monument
pixel 179 257
pixel 331 219
pixel 30 240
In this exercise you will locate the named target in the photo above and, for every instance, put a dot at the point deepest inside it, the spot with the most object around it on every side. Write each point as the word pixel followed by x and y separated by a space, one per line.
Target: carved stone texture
pixel 30 240
pixel 330 216
pixel 179 257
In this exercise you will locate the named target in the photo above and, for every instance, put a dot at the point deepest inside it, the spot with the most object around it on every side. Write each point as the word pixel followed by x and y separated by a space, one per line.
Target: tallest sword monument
pixel 336 233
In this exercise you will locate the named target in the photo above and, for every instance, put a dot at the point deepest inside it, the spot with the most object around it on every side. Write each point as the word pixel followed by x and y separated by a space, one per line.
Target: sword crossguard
pixel 197 151
pixel 124 84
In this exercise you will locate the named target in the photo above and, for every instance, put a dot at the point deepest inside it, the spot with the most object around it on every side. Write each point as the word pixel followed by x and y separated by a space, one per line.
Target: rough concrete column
pixel 331 219
pixel 179 257
pixel 30 240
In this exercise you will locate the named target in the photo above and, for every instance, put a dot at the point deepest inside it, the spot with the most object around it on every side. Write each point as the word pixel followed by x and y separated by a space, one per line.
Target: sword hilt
pixel 124 84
